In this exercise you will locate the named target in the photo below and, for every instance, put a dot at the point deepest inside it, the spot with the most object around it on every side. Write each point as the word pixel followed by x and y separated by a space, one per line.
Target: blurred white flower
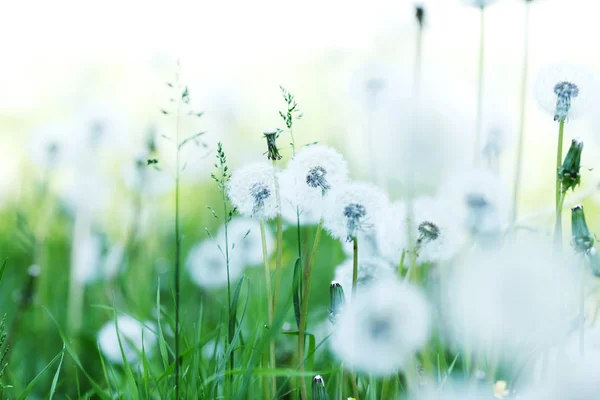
pixel 86 190
pixel 213 350
pixel 511 298
pixel 382 328
pixel 369 246
pixel 370 270
pixel 133 335
pixel 499 134
pixel 252 190
pixel 308 216
pixel 438 237
pixel 566 91
pixel 391 232
pixel 476 201
pixel 100 125
pixel 576 380
pixel 372 84
pixel 114 260
pixel 87 259
pixel 48 145
pixel 311 175
pixel 354 208
pixel 245 244
pixel 207 265
pixel 479 3
pixel 146 179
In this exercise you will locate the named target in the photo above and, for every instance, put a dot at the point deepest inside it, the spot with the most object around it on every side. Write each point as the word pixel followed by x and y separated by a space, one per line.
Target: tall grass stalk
pixel 307 277
pixel 263 238
pixel 279 255
pixel 523 104
pixel 177 277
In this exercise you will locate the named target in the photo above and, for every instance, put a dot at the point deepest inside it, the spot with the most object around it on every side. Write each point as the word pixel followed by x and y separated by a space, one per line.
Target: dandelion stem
pixel 279 256
pixel 401 265
pixel 559 194
pixel 304 308
pixel 582 312
pixel 386 386
pixel 479 126
pixel 263 238
pixel 354 266
pixel 521 141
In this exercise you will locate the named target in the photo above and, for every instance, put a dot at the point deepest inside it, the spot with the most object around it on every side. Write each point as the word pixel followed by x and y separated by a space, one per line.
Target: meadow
pixel 420 269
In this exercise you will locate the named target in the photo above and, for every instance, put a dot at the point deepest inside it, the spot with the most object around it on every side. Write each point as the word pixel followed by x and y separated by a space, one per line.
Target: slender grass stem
pixel 558 225
pixel 231 317
pixel 521 141
pixel 263 238
pixel 401 264
pixel 386 387
pixel 479 125
pixel 304 308
pixel 177 257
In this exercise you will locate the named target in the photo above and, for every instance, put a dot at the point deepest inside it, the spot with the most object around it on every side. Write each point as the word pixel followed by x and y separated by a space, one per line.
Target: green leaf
pixel 2 268
pixel 31 385
pixel 297 290
pixel 55 380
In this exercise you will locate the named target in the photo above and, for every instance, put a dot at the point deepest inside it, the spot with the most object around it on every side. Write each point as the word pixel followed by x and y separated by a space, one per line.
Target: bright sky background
pixel 235 54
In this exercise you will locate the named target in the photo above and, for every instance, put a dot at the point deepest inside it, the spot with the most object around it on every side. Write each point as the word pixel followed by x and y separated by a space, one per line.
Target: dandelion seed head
pixel 354 208
pixel 566 91
pixel 479 3
pixel 310 176
pixel 207 266
pixel 477 202
pixel 370 270
pixel 252 190
pixel 133 335
pixel 382 328
pixel 506 298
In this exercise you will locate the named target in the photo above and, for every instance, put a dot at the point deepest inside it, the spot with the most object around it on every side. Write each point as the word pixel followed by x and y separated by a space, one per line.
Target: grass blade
pixel 55 380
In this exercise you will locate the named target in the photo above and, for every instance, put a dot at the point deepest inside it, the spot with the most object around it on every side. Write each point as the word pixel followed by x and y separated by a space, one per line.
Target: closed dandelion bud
pixel 568 173
pixel 318 388
pixel 583 241
pixel 272 150
pixel 336 300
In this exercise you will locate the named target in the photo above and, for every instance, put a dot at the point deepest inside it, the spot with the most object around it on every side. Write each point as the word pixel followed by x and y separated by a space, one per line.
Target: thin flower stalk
pixel 560 198
pixel 523 101
pixel 308 270
pixel 269 303
pixel 480 75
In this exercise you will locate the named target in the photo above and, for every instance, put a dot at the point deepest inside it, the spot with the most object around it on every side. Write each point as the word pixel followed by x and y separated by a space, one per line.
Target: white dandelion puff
pixel 252 190
pixel 146 179
pixel 133 335
pixel 354 208
pixel 479 3
pixel 391 232
pixel 476 201
pixel 512 297
pixel 100 125
pixel 566 91
pixel 47 145
pixel 370 270
pixel 311 175
pixel 245 244
pixel 207 266
pixel 382 328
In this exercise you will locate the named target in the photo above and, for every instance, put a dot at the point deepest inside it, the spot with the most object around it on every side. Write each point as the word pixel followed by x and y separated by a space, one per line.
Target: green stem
pixel 386 387
pixel 354 266
pixel 231 319
pixel 279 257
pixel 559 194
pixel 401 265
pixel 582 312
pixel 263 238
pixel 521 142
pixel 479 126
pixel 177 256
pixel 304 308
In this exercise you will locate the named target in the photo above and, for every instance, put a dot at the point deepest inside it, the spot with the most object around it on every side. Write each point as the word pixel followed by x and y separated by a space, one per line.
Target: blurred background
pixel 82 86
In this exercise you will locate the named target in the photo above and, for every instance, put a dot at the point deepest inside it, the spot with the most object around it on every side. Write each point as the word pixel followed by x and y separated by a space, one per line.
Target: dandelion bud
pixel 318 388
pixel 568 173
pixel 583 241
pixel 336 300
pixel 272 150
